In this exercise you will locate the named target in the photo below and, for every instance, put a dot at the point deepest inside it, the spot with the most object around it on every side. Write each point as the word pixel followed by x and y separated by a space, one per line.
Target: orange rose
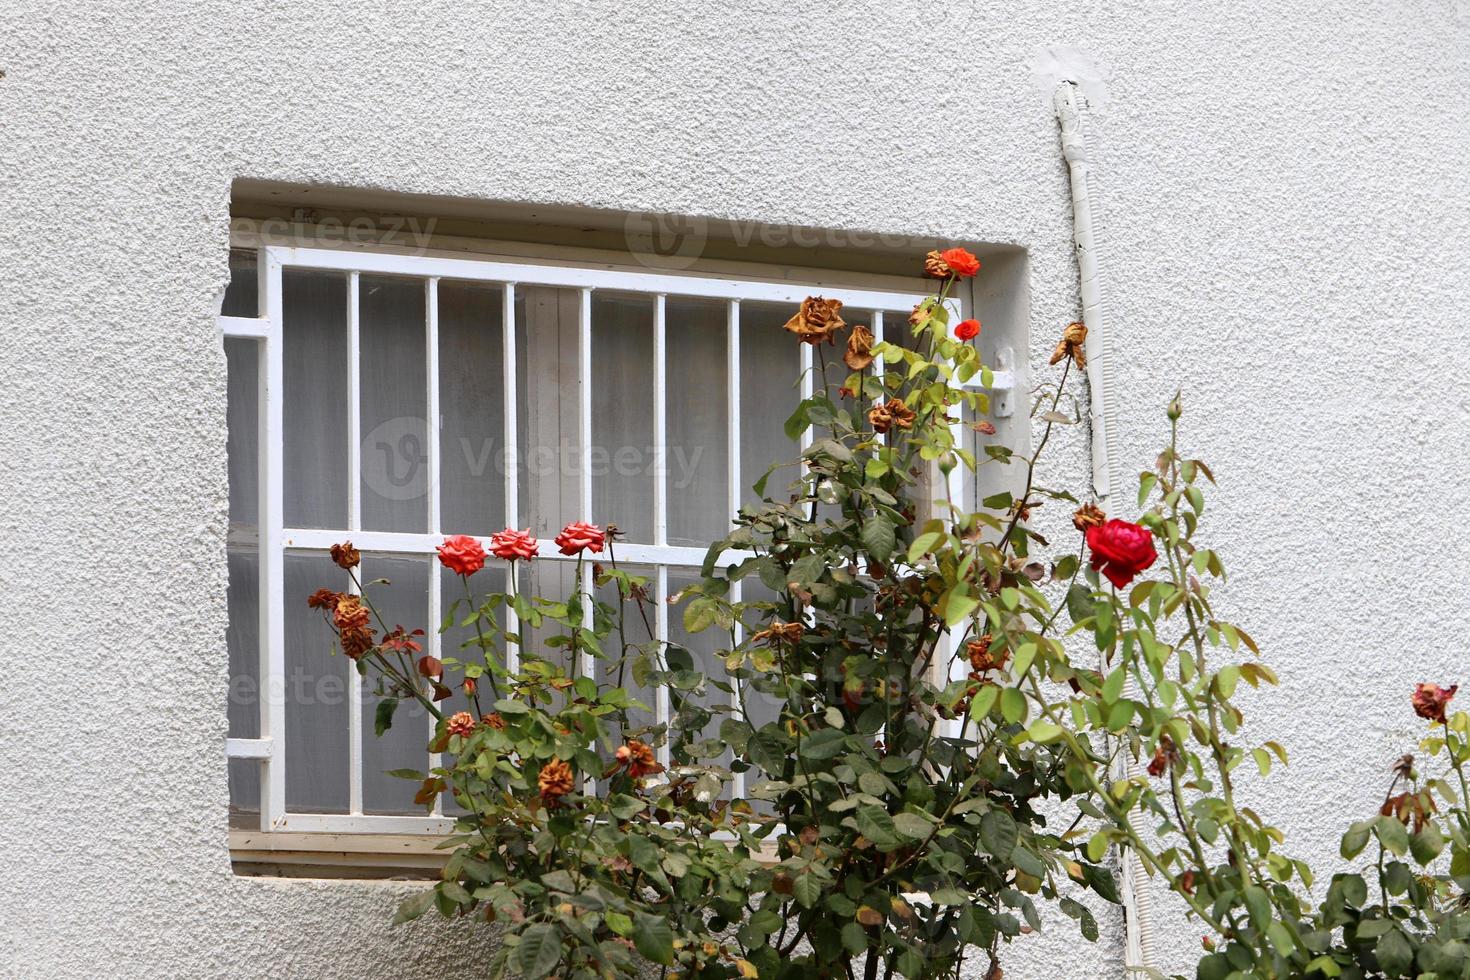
pixel 462 554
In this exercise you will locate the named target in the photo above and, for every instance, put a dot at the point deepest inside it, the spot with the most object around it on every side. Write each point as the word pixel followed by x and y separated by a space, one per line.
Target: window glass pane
pixel 547 417
pixel 619 669
pixel 403 601
pixel 242 359
pixel 471 408
pixel 698 420
pixel 314 311
pixel 242 637
pixel 244 776
pixel 394 400
pixel 707 649
pixel 770 368
pixel 242 295
pixel 452 645
pixel 622 413
pixel 315 692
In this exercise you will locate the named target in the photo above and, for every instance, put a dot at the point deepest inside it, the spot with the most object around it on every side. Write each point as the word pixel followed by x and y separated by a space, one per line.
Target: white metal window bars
pixel 277 540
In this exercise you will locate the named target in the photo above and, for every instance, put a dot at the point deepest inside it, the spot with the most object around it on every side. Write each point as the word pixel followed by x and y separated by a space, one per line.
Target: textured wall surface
pixel 1284 218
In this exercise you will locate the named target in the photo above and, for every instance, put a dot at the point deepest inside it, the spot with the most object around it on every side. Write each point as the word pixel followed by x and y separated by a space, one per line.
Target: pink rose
pixel 511 544
pixel 462 554
pixel 1120 550
pixel 579 535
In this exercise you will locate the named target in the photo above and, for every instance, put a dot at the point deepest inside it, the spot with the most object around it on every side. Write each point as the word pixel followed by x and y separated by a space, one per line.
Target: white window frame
pixel 276 540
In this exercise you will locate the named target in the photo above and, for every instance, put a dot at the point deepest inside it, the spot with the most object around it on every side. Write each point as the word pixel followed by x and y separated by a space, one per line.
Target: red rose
pixel 1430 700
pixel 462 554
pixel 511 544
pixel 967 329
pixel 1120 550
pixel 579 535
pixel 960 262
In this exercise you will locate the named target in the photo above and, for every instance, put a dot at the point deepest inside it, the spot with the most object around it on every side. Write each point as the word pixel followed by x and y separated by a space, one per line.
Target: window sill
pixel 370 856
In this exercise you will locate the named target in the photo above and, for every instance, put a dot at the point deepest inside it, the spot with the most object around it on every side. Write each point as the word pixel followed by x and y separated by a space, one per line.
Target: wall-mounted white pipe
pixel 1071 110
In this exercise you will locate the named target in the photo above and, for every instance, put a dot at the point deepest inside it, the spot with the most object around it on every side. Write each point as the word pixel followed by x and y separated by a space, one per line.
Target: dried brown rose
pixel 981 659
pixel 1071 345
pixel 494 720
pixel 1430 700
pixel 1088 515
pixel 345 555
pixel 356 641
pixel 323 599
pixel 555 781
pixel 817 320
pixel 859 348
pixel 984 427
pixel 891 414
pixel 935 267
pixel 1164 757
pixel 637 757
pixel 349 613
pixel 461 723
pixel 788 633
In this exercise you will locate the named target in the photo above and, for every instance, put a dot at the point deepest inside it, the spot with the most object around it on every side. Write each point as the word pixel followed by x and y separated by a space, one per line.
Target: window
pixel 393 398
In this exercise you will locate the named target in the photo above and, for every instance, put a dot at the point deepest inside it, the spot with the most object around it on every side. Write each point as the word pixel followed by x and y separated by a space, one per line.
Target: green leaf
pixel 1355 839
pixel 998 833
pixel 1097 846
pixel 414 906
pixel 879 537
pixel 875 823
pixel 1012 705
pixel 654 938
pixel 1394 953
pixel 1258 904
pixel 1426 845
pixel 1392 834
pixel 1079 602
pixel 808 890
pixel 539 951
pixel 1044 731
pixel 824 743
pixel 912 826
pixel 618 923
pixel 383 717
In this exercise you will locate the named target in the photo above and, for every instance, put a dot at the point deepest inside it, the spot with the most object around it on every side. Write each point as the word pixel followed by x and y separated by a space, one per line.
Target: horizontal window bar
pixel 367 823
pixel 482 270
pixel 395 542
pixel 244 326
pixel 249 748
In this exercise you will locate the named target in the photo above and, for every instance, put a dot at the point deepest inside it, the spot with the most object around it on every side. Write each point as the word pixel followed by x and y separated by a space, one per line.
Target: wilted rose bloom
pixel 580 535
pixel 494 720
pixel 859 348
pixel 510 544
pixel 1072 345
pixel 461 723
pixel 356 640
pixel 816 320
pixel 892 413
pixel 638 758
pixel 1430 700
pixel 967 329
pixel 1088 515
pixel 980 656
pixel 345 555
pixel 323 599
pixel 984 427
pixel 935 267
pixel 350 613
pixel 462 554
pixel 960 262
pixel 1120 550
pixel 555 781
pixel 780 632
pixel 1164 756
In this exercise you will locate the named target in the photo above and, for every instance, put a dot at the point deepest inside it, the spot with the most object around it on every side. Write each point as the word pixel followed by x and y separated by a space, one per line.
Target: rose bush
pixel 925 760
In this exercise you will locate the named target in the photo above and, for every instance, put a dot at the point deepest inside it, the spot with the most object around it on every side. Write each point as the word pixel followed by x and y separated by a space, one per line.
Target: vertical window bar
pixel 584 431
pixel 807 387
pixel 737 687
pixel 354 523
pixel 877 328
pixel 512 472
pixel 661 628
pixel 431 630
pixel 660 424
pixel 272 556
pixel 431 349
pixel 732 385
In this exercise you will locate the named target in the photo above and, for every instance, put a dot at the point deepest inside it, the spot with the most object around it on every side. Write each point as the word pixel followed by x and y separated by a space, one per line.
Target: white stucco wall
pixel 1285 217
